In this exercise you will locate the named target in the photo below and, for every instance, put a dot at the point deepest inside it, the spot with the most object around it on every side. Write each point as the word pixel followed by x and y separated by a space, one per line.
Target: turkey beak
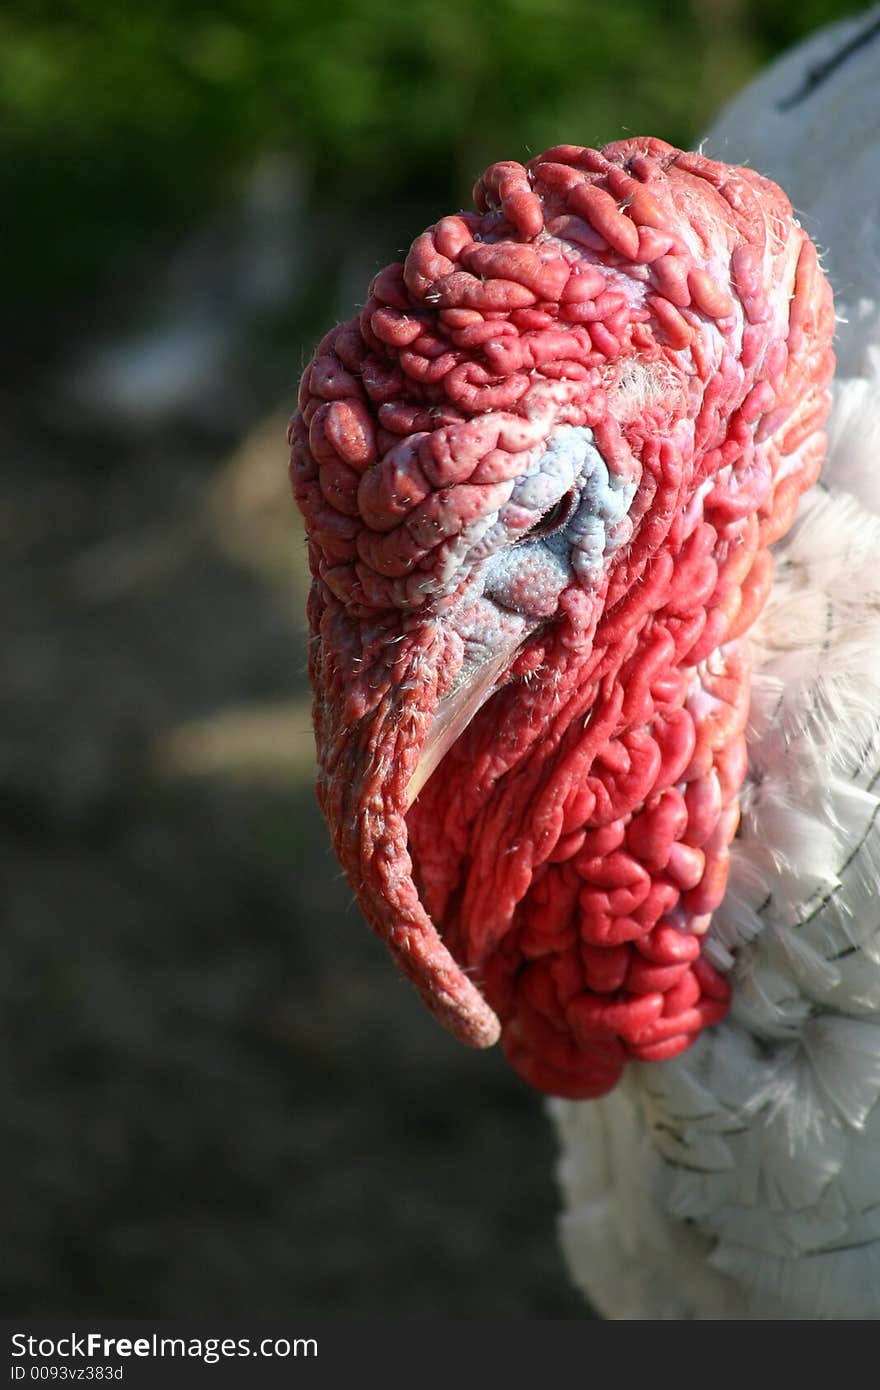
pixel 472 688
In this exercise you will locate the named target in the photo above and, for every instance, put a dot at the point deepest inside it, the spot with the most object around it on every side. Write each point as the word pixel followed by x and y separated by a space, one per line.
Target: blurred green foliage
pixel 120 121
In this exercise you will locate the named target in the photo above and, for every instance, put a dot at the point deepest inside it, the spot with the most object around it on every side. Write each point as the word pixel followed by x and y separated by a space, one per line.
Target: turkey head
pixel 540 473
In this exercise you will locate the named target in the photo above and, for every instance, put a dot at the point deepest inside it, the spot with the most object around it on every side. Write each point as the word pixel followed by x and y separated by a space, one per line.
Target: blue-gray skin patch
pixel 527 577
pixel 516 577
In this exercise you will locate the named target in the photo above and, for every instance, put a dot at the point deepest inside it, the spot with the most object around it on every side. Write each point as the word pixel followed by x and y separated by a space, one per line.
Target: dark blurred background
pixel 220 1100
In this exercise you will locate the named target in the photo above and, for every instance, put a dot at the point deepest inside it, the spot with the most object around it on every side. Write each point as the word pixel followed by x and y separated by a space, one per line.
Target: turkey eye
pixel 556 518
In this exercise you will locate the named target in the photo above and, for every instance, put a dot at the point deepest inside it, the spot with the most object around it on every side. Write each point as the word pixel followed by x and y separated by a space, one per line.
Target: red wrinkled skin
pixel 559 870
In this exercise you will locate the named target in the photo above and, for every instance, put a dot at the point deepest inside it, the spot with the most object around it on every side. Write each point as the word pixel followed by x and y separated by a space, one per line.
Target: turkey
pixel 601 766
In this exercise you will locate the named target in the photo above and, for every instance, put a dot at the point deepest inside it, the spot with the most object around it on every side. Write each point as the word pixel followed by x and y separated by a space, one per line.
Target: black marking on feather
pixel 818 1250
pixel 805 921
pixel 848 951
pixel 688 1167
pixel 680 1119
pixel 861 764
pixel 829 623
pixel 815 76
